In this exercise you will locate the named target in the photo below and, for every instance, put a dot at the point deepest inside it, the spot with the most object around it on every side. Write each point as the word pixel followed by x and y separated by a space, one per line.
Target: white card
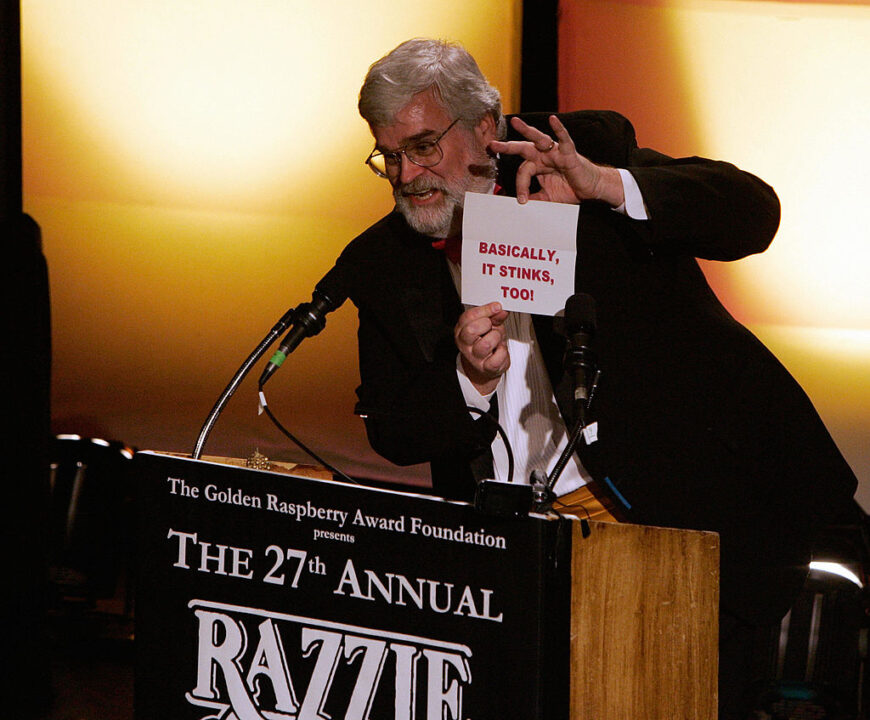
pixel 522 256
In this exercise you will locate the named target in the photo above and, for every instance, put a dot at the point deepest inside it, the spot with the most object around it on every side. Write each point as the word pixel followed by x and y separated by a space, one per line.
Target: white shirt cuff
pixel 633 206
pixel 469 392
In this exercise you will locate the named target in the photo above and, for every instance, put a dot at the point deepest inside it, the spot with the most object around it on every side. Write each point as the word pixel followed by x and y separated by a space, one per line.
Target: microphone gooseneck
pixel 305 320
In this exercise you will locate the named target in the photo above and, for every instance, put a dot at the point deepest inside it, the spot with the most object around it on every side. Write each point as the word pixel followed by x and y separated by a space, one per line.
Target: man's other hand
pixel 480 338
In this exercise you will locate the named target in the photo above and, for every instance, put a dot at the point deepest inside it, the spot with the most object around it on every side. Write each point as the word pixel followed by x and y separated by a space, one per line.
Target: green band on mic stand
pixel 278 358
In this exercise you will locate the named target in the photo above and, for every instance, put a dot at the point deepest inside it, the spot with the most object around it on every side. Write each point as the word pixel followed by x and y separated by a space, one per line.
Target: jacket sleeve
pixel 704 208
pixel 697 207
pixel 409 395
pixel 413 408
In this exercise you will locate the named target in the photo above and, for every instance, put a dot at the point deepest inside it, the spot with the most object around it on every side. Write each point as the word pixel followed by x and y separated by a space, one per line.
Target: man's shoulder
pixel 385 251
pixel 379 238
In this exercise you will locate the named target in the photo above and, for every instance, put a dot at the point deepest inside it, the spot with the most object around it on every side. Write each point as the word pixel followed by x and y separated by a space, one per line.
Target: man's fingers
pixel 484 346
pixel 523 148
pixel 565 143
pixel 479 321
pixel 480 311
pixel 481 339
pixel 541 141
pixel 498 362
pixel 500 317
pixel 526 171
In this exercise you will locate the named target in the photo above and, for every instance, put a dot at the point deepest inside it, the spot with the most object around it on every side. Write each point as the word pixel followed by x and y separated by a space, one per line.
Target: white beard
pixel 438 219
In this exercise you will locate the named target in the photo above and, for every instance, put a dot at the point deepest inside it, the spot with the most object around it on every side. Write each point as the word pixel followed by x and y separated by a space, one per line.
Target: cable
pixel 502 434
pixel 301 445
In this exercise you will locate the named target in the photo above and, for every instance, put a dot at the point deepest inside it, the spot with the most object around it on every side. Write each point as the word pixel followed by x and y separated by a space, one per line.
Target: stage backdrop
pixel 779 89
pixel 196 167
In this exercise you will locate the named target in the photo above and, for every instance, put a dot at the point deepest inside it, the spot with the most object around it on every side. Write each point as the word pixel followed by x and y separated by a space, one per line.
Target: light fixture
pixel 836 569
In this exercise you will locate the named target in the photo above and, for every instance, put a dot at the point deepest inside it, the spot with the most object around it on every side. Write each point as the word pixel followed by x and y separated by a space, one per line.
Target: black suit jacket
pixel 699 425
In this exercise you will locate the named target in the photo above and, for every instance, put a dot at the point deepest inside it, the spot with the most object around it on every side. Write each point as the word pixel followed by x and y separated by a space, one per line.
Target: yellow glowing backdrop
pixel 197 166
pixel 781 89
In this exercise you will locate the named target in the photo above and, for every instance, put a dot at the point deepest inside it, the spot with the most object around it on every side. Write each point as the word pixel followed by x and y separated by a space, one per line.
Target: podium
pixel 267 596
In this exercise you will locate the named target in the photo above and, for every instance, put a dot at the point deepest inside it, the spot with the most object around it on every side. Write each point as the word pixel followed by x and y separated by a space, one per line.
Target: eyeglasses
pixel 425 153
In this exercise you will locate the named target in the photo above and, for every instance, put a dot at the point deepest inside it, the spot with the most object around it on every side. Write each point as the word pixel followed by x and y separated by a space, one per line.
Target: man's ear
pixel 486 129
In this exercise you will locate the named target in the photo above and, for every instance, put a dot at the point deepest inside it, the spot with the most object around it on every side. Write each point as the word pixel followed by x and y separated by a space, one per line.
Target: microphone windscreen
pixel 580 314
pixel 334 286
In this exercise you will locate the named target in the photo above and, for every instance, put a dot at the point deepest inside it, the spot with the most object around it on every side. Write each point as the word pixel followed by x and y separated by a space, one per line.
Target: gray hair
pixel 422 64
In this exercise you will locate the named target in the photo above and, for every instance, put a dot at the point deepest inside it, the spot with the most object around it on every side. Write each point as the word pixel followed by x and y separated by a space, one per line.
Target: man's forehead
pixel 423 115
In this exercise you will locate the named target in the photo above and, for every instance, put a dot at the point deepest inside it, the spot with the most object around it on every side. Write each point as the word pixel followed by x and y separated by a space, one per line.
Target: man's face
pixel 431 198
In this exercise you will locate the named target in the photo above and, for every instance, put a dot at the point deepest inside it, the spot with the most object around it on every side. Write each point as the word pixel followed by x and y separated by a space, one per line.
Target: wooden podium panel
pixel 644 623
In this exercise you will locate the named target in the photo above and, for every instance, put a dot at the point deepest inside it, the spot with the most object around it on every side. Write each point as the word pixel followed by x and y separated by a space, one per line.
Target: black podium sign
pixel 264 596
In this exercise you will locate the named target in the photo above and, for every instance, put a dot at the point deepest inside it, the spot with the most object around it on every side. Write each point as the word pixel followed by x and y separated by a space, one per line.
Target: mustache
pixel 484 167
pixel 420 184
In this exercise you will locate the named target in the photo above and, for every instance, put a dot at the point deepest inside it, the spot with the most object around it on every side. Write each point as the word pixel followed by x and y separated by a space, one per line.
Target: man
pixel 699 425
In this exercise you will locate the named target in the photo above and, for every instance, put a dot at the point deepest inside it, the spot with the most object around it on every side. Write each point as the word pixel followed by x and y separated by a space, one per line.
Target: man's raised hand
pixel 564 174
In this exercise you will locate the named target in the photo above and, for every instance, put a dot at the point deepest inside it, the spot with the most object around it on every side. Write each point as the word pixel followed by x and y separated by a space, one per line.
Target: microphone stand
pixel 258 352
pixel 544 495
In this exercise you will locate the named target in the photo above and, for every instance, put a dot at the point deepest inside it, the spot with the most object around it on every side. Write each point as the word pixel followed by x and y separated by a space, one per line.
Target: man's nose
pixel 408 170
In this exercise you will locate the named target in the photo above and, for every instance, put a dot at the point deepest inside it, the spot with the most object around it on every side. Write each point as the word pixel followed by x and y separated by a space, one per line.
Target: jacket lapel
pixel 426 284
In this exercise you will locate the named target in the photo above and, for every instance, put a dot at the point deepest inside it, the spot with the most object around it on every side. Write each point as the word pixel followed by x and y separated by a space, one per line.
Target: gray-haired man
pixel 699 425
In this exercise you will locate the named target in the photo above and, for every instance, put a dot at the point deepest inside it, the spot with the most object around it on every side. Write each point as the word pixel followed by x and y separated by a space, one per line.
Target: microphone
pixel 579 359
pixel 309 318
pixel 578 327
